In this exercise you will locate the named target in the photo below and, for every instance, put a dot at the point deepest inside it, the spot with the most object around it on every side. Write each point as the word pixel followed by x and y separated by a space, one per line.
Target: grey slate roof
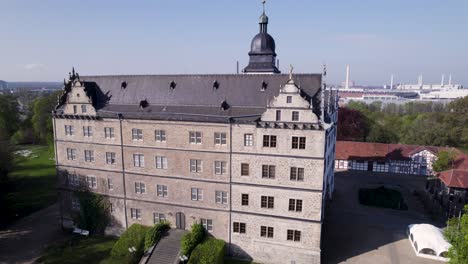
pixel 193 96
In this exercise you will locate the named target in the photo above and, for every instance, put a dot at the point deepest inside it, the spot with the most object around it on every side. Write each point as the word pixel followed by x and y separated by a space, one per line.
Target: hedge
pixel 210 251
pixel 192 239
pixel 154 234
pixel 134 236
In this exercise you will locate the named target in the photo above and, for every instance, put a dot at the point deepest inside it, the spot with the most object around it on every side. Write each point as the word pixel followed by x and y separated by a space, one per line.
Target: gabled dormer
pixel 289 106
pixel 78 102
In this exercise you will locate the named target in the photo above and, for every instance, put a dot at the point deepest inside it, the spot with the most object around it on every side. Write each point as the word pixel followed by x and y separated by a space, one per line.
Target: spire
pixel 263 20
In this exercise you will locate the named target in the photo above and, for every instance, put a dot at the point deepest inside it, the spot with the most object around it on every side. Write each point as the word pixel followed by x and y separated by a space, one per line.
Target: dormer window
pixel 295 116
pixel 278 115
pixel 289 99
pixel 215 85
pixel 123 85
pixel 172 85
pixel 83 109
pixel 264 86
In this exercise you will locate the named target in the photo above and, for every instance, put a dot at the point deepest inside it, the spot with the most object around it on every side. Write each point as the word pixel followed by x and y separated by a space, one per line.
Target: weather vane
pixel 290 71
pixel 263 2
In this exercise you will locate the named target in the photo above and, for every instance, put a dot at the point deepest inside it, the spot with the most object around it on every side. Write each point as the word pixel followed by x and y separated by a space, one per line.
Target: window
pixel 160 135
pixel 221 197
pixel 71 154
pixel 135 213
pixel 140 188
pixel 239 227
pixel 109 132
pixel 245 199
pixel 138 160
pixel 298 142
pixel 137 134
pixel 278 115
pixel 294 235
pixel 110 184
pixel 75 109
pixel 87 131
pixel 197 194
pixel 220 138
pixel 289 99
pixel 111 208
pixel 195 137
pixel 158 217
pixel 220 167
pixel 110 157
pixel 268 171
pixel 269 141
pixel 89 155
pixel 248 140
pixel 267 202
pixel 92 183
pixel 245 169
pixel 161 162
pixel 69 130
pixel 207 224
pixel 195 165
pixel 73 179
pixel 75 203
pixel 266 231
pixel 83 109
pixel 161 190
pixel 295 116
pixel 295 205
pixel 297 174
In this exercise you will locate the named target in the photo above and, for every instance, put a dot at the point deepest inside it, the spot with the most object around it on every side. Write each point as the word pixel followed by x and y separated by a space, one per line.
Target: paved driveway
pixel 353 233
pixel 24 241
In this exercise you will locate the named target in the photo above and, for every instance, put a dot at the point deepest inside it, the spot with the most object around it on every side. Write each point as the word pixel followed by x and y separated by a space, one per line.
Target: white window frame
pixel 74 179
pixel 161 190
pixel 220 138
pixel 89 155
pixel 207 224
pixel 109 132
pixel 71 154
pixel 135 213
pixel 161 162
pixel 195 137
pixel 110 158
pixel 195 165
pixel 84 109
pixel 221 197
pixel 158 217
pixel 197 194
pixel 87 131
pixel 137 134
pixel 220 167
pixel 248 140
pixel 91 181
pixel 110 184
pixel 69 130
pixel 140 188
pixel 160 135
pixel 138 160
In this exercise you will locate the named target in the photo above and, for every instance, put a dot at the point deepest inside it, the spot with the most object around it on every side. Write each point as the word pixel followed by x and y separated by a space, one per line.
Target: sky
pixel 42 40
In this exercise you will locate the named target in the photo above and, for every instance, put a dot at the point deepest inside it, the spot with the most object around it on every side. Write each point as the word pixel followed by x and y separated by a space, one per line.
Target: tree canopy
pixel 457 234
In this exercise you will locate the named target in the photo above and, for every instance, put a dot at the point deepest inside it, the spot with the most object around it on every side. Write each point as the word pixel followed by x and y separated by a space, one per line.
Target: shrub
pixel 210 251
pixel 94 212
pixel 134 236
pixel 154 234
pixel 192 239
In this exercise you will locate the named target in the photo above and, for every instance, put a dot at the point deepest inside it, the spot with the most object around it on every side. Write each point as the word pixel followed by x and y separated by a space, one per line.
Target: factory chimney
pixel 443 79
pixel 391 81
pixel 450 80
pixel 347 77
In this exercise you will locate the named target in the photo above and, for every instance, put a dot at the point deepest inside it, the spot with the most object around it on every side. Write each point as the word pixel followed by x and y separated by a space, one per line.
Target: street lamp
pixel 183 258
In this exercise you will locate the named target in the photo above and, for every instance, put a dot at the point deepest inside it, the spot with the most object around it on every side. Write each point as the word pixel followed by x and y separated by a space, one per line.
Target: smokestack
pixel 237 67
pixel 442 81
pixel 450 79
pixel 391 81
pixel 347 77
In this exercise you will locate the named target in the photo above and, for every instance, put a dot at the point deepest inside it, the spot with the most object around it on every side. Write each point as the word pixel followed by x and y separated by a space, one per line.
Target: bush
pixel 211 251
pixel 192 239
pixel 154 234
pixel 134 236
pixel 94 212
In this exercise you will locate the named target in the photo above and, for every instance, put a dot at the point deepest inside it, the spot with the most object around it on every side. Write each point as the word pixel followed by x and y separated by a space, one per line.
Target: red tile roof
pixel 346 150
pixel 455 178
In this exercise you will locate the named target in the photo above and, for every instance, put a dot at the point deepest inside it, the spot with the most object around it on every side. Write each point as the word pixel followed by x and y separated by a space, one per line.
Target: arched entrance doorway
pixel 180 220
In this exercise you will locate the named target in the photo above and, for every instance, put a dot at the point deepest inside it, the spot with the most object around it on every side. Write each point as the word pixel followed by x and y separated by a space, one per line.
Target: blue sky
pixel 42 40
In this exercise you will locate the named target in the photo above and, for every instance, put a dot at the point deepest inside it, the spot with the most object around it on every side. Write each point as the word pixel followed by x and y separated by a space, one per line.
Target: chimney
pixel 442 81
pixel 450 80
pixel 347 77
pixel 391 81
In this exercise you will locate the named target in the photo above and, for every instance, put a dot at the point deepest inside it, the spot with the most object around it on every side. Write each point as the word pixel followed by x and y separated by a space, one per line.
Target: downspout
pixel 123 170
pixel 56 164
pixel 230 185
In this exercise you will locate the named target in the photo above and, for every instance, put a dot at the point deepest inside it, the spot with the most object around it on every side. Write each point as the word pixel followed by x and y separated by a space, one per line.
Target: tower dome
pixel 262 50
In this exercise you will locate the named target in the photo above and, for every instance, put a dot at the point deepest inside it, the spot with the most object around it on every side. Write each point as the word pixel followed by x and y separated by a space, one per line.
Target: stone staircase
pixel 167 249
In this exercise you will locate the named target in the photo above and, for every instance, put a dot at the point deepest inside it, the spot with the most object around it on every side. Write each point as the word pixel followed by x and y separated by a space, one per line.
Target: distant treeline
pixel 418 123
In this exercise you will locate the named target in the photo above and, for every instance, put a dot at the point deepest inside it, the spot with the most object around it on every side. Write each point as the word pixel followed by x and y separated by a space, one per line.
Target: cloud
pixel 34 66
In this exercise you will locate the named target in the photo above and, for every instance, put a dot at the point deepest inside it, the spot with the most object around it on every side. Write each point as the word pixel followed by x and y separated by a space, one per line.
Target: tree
pixel 444 161
pixel 457 234
pixel 41 117
pixel 9 117
pixel 352 125
pixel 94 211
pixel 459 105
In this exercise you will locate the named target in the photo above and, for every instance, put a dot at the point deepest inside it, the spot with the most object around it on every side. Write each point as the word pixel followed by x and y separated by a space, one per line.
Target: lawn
pixel 382 197
pixel 31 183
pixel 90 250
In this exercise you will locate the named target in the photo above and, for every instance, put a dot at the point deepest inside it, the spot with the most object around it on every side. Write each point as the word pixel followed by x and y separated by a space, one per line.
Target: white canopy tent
pixel 428 241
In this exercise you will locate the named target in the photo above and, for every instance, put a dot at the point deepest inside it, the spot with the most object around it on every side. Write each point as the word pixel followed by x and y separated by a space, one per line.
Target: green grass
pixel 31 183
pixel 382 197
pixel 90 250
pixel 236 261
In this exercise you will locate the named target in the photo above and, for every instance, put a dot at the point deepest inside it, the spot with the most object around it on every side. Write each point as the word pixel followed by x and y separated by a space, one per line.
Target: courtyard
pixel 355 233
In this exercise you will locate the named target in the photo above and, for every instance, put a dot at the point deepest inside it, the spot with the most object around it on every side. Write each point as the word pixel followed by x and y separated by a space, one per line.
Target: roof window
pixel 215 85
pixel 172 85
pixel 123 85
pixel 264 86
